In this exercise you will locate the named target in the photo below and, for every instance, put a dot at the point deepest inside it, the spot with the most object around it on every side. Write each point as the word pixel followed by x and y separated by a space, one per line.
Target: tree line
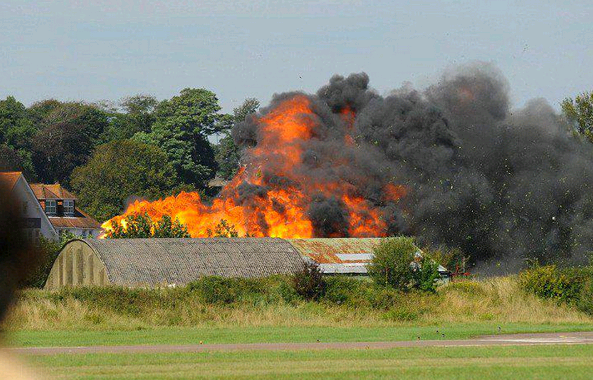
pixel 144 147
pixel 139 146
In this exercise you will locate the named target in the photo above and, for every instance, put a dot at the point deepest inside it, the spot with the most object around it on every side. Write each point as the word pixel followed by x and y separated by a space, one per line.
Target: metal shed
pixel 150 262
pixel 338 255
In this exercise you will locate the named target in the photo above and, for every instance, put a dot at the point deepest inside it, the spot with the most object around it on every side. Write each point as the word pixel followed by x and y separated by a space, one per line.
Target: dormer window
pixel 68 207
pixel 51 207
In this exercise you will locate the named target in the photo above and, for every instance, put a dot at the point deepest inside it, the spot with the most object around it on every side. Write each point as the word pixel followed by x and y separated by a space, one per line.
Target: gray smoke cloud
pixel 498 184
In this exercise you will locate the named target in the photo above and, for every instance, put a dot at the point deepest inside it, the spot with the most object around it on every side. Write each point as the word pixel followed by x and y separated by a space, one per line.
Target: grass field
pixel 524 362
pixel 276 334
pixel 262 311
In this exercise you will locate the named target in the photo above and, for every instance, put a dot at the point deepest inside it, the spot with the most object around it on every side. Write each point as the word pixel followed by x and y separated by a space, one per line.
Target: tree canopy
pixel 579 112
pixel 118 170
pixel 182 127
pixel 142 226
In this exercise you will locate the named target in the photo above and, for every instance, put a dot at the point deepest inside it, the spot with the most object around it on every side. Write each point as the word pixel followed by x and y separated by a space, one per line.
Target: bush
pixel 309 282
pixel 426 276
pixel 391 263
pixel 220 290
pixel 563 285
pixel 585 302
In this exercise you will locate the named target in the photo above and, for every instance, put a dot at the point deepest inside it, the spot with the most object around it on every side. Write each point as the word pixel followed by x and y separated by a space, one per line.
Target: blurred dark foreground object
pixel 17 258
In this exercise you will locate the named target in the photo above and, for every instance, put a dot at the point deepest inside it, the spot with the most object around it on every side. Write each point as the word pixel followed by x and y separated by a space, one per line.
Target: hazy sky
pixel 94 50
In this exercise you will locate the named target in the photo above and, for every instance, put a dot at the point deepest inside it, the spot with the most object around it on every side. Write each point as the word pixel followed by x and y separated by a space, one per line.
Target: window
pixel 69 207
pixel 50 207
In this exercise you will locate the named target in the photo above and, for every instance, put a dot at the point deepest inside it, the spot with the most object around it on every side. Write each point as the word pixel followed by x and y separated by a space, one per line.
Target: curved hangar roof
pixel 145 262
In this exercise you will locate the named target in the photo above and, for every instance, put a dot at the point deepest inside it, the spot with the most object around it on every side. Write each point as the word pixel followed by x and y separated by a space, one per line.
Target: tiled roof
pixel 55 191
pixel 180 261
pixel 8 179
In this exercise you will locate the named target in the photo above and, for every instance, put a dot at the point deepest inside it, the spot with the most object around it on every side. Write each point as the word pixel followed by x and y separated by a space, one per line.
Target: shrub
pixel 309 282
pixel 563 285
pixel 585 302
pixel 391 263
pixel 426 276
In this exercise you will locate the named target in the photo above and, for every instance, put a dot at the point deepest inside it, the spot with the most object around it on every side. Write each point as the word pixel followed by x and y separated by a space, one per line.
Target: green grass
pixel 443 363
pixel 184 335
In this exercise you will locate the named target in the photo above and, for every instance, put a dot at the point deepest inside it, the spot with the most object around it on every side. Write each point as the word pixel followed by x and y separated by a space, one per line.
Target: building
pixel 48 210
pixel 34 221
pixel 339 255
pixel 158 262
pixel 60 206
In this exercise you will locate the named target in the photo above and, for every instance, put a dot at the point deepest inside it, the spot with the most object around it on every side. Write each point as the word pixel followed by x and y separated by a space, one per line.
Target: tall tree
pixel 579 112
pixel 227 152
pixel 16 133
pixel 119 170
pixel 68 134
pixel 137 116
pixel 182 127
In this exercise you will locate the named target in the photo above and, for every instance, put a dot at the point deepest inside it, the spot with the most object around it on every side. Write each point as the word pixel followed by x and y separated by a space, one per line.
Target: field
pixel 525 362
pixel 255 312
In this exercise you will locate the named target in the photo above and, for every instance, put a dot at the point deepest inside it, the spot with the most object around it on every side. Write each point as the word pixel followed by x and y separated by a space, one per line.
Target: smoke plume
pixel 497 183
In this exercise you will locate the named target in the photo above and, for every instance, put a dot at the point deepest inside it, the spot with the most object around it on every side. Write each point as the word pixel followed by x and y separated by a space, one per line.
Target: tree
pixel 10 160
pixel 67 135
pixel 16 133
pixel 138 116
pixel 142 226
pixel 182 127
pixel 391 262
pixel 223 229
pixel 118 170
pixel 227 153
pixel 579 112
pixel 58 149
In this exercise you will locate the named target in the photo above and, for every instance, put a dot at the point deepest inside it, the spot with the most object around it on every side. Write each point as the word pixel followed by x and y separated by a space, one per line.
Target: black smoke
pixel 498 183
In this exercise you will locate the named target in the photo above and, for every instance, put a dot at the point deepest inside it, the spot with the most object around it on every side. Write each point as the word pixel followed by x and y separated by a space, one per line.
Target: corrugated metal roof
pixel 336 251
pixel 179 261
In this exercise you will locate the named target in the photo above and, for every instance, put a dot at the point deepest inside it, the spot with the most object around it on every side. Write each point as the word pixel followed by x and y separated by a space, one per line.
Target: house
pixel 33 220
pixel 48 210
pixel 60 206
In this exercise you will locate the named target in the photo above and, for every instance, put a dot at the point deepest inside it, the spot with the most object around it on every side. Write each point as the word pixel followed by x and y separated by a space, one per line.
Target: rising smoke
pixel 496 183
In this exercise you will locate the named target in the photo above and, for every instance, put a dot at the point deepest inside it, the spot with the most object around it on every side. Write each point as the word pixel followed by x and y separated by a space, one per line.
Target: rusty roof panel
pixel 327 251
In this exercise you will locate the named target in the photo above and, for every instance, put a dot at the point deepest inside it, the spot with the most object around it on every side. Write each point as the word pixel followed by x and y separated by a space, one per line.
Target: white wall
pixel 23 193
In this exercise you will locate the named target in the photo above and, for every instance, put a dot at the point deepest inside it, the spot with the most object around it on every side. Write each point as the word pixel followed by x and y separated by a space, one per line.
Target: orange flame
pixel 281 209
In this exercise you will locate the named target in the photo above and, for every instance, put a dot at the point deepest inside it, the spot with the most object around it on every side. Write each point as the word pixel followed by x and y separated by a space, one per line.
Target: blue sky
pixel 97 50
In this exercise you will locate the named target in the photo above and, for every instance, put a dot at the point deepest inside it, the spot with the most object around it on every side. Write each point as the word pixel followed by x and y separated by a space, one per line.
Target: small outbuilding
pixel 154 262
pixel 338 255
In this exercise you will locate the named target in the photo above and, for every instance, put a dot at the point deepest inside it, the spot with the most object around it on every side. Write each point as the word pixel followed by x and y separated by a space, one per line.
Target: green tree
pixel 58 149
pixel 223 229
pixel 67 135
pixel 16 133
pixel 579 112
pixel 9 160
pixel 227 153
pixel 138 116
pixel 118 170
pixel 391 262
pixel 142 226
pixel 181 130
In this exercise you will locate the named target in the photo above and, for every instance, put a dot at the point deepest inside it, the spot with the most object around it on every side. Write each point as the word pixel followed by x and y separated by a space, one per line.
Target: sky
pixel 109 49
